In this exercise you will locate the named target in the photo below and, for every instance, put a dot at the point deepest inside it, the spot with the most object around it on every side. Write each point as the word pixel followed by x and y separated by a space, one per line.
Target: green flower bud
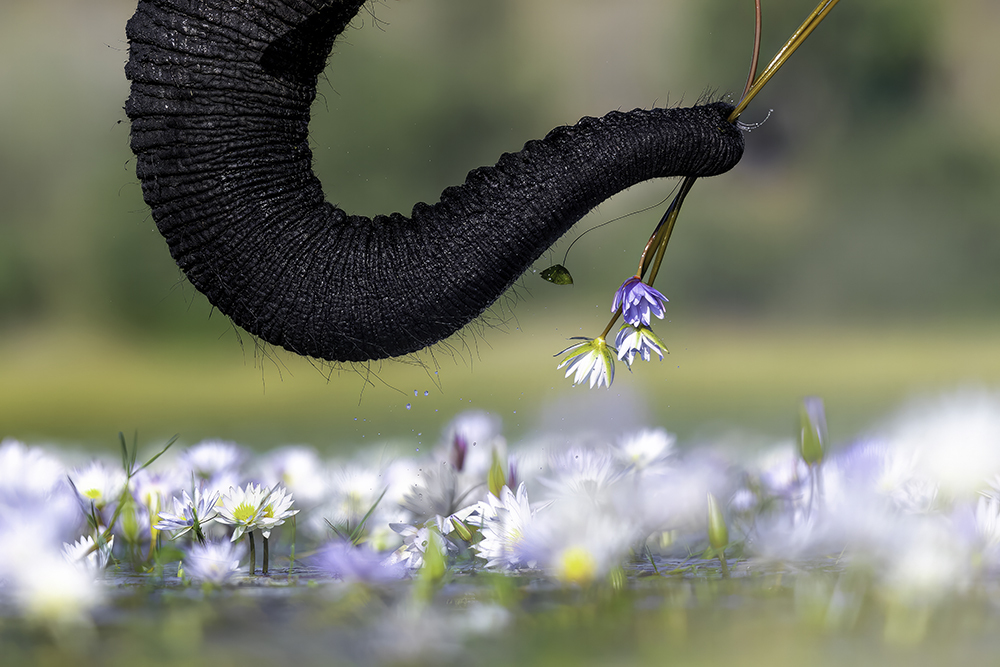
pixel 718 533
pixel 497 479
pixel 462 530
pixel 812 430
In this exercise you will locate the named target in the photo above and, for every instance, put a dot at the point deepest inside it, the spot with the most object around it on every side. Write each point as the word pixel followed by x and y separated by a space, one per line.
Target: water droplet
pixel 427 393
pixel 414 392
pixel 408 406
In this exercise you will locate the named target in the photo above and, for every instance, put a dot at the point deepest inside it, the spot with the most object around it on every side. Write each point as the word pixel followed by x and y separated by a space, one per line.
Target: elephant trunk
pixel 219 104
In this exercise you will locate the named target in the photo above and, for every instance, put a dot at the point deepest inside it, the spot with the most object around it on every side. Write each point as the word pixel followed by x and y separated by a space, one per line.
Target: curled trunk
pixel 219 104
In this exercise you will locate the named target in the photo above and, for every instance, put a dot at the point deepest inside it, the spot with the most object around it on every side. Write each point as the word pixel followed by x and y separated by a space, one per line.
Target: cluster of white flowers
pixel 919 503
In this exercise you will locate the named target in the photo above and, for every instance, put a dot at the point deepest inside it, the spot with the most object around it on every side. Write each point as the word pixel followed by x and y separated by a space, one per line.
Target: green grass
pixel 84 387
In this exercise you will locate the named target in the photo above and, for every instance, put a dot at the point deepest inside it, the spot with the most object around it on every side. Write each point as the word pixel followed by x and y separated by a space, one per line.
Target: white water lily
pixel 88 557
pixel 187 512
pixel 213 562
pixel 591 357
pixel 640 340
pixel 641 450
pixel 276 507
pixel 98 484
pixel 242 508
pixel 502 522
pixel 213 458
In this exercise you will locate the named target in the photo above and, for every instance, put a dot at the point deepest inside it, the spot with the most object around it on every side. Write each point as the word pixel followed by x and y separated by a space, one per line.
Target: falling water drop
pixel 408 406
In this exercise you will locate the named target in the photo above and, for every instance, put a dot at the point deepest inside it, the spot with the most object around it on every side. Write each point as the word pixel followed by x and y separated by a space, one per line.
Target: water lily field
pixel 494 539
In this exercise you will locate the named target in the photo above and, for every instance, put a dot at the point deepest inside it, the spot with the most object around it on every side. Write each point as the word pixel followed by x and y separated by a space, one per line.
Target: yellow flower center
pixel 244 513
pixel 576 566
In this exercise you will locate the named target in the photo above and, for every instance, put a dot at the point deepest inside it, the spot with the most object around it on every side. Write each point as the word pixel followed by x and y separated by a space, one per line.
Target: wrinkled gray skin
pixel 219 104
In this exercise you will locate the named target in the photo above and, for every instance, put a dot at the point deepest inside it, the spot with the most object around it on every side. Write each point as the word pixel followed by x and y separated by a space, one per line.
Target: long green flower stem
pixel 722 561
pixel 291 559
pixel 253 554
pixel 668 222
pixel 197 531
pixel 784 53
pixel 264 564
pixel 661 235
pixel 658 240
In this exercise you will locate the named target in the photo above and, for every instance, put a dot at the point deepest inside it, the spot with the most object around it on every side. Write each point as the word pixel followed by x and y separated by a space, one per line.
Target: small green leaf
pixel 557 274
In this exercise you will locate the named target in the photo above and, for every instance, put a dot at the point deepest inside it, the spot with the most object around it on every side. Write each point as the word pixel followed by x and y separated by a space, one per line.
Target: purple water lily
pixel 638 301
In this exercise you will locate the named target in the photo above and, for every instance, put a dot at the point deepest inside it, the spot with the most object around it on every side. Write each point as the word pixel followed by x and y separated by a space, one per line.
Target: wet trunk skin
pixel 219 104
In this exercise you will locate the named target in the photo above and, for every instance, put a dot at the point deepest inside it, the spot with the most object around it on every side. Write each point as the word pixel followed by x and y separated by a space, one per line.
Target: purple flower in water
pixel 343 560
pixel 632 340
pixel 638 301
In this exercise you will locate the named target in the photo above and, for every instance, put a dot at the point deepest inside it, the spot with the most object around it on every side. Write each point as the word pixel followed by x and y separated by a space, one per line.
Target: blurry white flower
pixel 416 540
pixel 582 474
pixel 212 458
pixel 27 471
pixel 153 489
pixel 502 522
pixel 85 555
pixel 469 442
pixel 99 484
pixel 576 546
pixel 439 493
pixel 988 521
pixel 48 588
pixel 645 448
pixel 354 489
pixel 300 470
pixel 214 562
pixel 955 441
pixel 38 509
pixel 928 565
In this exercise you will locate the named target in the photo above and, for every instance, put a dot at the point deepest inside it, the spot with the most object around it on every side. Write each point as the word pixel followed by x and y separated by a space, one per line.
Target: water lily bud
pixel 462 530
pixel 496 479
pixel 812 430
pixel 459 448
pixel 718 533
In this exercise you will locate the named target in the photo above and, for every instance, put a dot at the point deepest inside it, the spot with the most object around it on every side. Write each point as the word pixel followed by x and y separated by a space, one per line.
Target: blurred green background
pixel 854 253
